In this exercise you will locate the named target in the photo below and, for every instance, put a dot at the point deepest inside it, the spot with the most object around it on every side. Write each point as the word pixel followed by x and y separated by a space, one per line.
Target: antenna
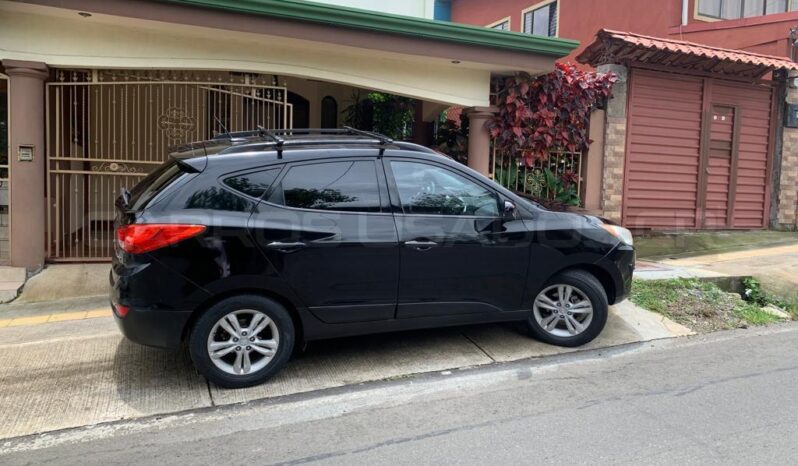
pixel 229 136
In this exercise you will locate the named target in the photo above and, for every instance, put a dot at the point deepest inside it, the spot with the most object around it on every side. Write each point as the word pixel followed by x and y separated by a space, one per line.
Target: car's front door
pixel 327 229
pixel 459 253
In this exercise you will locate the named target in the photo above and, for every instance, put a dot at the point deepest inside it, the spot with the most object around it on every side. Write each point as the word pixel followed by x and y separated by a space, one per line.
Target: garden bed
pixel 703 306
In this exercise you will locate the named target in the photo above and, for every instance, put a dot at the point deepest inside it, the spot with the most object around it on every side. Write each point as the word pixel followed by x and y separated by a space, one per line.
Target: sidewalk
pixel 68 369
pixel 775 267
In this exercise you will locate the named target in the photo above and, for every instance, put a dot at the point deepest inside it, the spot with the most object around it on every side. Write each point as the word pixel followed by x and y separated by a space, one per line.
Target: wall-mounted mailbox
pixel 25 152
pixel 791 118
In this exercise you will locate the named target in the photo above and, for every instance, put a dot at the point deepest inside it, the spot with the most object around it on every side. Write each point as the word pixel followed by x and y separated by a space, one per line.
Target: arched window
pixel 329 113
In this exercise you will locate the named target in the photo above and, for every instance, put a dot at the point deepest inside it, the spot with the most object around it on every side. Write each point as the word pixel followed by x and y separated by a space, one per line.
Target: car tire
pixel 241 358
pixel 566 322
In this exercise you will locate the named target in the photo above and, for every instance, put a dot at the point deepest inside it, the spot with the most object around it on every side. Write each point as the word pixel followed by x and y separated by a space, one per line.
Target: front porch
pixel 142 80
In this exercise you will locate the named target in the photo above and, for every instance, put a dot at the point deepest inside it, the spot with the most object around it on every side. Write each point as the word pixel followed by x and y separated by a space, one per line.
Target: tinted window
pixel 429 189
pixel 253 184
pixel 345 186
pixel 153 183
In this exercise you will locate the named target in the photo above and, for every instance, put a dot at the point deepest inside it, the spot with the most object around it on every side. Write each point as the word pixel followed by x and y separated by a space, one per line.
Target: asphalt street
pixel 722 398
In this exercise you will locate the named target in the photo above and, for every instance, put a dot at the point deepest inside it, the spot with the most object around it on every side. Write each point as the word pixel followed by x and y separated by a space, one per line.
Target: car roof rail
pixel 281 138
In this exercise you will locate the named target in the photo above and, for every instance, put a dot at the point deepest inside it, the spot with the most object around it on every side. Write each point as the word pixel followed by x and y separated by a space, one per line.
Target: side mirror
pixel 509 210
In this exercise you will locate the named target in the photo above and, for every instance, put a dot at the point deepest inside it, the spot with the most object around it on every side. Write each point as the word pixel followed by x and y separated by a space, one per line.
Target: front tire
pixel 242 341
pixel 570 310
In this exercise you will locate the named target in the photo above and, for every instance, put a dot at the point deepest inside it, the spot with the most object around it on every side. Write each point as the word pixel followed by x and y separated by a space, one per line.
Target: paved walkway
pixel 776 268
pixel 62 370
pixel 775 265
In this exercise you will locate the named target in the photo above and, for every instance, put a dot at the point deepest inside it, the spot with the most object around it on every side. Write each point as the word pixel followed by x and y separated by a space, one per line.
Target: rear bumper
pixel 159 329
pixel 149 321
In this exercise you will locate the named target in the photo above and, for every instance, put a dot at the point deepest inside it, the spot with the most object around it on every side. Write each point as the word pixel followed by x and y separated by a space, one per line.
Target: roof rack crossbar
pixel 384 140
pixel 278 141
pixel 380 137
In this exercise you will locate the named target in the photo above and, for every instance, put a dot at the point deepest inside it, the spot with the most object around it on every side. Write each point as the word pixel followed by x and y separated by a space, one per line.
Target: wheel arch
pixel 280 299
pixel 602 275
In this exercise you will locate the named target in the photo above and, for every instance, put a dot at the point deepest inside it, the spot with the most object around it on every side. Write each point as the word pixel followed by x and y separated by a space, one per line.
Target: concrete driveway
pixel 68 369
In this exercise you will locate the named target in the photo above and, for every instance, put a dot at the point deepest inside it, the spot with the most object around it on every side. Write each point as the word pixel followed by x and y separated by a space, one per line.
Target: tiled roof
pixel 625 47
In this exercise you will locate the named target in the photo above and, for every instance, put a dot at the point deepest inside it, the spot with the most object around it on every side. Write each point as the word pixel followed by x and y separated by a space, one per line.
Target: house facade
pixel 93 94
pixel 760 26
pixel 692 138
pixel 415 8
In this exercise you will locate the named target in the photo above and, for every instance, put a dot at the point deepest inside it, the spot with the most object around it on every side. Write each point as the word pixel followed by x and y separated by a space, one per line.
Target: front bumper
pixel 620 263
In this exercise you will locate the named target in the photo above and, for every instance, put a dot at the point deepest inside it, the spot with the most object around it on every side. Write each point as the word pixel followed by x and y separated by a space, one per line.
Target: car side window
pixel 348 186
pixel 433 190
pixel 253 184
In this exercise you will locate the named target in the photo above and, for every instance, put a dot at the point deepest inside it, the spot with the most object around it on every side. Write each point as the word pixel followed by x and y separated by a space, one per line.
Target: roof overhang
pixel 427 60
pixel 353 18
pixel 614 47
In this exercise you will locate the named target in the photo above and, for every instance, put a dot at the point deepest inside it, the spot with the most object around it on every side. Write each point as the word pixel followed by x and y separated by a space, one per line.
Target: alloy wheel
pixel 563 310
pixel 243 342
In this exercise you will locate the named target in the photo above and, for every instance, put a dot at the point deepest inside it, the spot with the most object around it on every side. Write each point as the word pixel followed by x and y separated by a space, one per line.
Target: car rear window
pixel 153 183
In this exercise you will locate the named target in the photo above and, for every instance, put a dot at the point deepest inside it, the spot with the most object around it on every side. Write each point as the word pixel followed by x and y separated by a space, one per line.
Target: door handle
pixel 286 247
pixel 420 245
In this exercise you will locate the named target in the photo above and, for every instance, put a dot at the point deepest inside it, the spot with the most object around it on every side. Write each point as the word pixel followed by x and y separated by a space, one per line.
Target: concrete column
pixel 479 138
pixel 787 194
pixel 593 165
pixel 28 214
pixel 614 145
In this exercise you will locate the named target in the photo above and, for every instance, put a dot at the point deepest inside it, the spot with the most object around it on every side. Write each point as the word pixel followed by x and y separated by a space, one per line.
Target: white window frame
pixel 538 6
pixel 506 19
pixel 702 17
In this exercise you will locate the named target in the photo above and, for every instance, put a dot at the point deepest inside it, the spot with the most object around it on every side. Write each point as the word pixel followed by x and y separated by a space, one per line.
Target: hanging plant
pixel 547 113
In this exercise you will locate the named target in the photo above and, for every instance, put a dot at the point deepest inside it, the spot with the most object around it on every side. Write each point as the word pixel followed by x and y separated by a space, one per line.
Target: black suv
pixel 248 245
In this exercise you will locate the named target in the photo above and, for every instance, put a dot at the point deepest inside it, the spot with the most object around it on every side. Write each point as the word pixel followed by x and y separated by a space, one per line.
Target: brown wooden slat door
pixel 721 153
pixel 663 151
pixel 750 182
pixel 697 153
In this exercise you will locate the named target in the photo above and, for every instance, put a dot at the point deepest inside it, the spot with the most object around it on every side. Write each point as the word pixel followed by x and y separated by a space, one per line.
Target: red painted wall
pixel 762 34
pixel 580 19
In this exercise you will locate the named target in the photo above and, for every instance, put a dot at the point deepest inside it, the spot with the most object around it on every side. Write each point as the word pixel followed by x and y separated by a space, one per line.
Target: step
pixel 12 274
pixel 10 290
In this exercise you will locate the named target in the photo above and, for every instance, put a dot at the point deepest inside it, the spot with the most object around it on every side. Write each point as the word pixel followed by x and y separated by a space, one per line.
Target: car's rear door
pixel 327 228
pixel 459 253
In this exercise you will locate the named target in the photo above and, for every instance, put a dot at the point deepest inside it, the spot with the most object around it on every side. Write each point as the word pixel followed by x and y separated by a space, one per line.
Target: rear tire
pixel 570 310
pixel 242 341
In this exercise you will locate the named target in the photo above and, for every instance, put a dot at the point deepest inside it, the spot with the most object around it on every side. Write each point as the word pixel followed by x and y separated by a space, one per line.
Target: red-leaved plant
pixel 546 113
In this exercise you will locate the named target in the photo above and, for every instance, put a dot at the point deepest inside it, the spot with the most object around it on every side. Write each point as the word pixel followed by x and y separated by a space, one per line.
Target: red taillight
pixel 137 239
pixel 121 310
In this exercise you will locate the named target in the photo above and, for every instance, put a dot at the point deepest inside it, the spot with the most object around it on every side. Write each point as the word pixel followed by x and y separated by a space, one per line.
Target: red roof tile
pixel 626 46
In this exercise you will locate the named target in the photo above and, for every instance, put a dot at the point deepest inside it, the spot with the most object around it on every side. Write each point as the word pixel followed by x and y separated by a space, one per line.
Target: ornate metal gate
pixel 109 129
